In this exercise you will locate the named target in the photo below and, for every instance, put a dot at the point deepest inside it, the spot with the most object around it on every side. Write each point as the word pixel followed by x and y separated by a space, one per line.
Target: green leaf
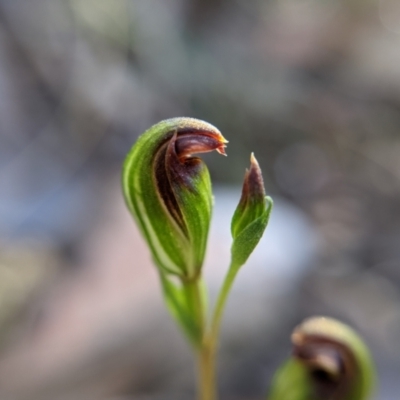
pixel 168 191
pixel 248 238
pixel 251 215
pixel 330 361
pixel 292 382
pixel 183 308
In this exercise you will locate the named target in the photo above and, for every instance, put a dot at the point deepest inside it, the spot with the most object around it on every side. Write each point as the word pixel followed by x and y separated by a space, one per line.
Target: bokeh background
pixel 311 86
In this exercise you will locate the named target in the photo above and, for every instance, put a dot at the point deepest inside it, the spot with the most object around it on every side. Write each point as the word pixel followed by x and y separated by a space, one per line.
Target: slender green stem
pixel 193 293
pixel 207 383
pixel 206 376
pixel 207 353
pixel 221 301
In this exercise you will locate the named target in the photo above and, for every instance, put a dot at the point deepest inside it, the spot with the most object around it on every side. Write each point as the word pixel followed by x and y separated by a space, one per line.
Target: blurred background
pixel 311 86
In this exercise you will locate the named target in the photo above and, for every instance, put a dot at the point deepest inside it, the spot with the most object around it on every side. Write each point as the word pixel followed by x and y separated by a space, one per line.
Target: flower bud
pixel 251 215
pixel 168 191
pixel 330 361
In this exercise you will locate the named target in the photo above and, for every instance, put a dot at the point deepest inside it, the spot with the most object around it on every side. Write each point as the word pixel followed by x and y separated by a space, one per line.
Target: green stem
pixel 195 300
pixel 221 301
pixel 207 385
pixel 207 353
pixel 206 375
